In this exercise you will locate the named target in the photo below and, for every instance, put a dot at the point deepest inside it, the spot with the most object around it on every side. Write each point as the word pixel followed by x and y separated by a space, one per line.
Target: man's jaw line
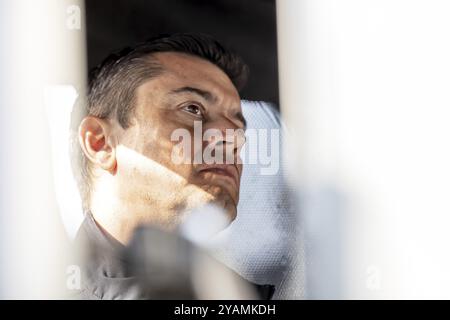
pixel 103 207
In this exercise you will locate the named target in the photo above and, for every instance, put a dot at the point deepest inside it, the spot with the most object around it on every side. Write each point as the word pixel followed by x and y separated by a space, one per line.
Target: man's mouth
pixel 222 170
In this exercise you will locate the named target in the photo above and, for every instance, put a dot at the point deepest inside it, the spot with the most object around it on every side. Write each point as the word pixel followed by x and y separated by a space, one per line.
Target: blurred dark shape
pixel 162 262
pixel 168 266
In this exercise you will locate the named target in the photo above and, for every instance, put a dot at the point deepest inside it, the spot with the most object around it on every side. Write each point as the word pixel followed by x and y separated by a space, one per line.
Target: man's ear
pixel 98 142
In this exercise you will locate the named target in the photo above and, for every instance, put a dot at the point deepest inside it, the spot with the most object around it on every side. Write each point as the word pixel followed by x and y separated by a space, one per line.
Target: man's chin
pixel 232 212
pixel 221 196
pixel 227 206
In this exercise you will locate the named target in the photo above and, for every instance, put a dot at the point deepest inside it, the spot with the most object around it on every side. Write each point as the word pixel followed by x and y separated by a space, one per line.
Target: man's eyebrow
pixel 204 94
pixel 240 116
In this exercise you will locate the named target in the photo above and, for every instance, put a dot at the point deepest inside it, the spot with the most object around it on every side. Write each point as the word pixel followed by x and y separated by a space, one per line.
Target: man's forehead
pixel 190 67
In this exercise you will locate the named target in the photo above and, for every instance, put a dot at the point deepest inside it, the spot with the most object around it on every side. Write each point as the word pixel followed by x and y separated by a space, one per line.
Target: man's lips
pixel 227 170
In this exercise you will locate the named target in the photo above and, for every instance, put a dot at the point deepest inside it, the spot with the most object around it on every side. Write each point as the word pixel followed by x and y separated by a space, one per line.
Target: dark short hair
pixel 112 85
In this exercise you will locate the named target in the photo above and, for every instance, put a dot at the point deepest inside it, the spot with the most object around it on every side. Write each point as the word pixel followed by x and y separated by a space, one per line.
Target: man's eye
pixel 194 109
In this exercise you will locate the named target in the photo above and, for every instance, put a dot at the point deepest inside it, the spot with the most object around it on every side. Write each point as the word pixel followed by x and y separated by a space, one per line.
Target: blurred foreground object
pixel 42 46
pixel 364 87
pixel 171 267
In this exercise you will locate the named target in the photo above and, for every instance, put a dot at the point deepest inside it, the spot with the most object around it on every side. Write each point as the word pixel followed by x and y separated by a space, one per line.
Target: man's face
pixel 190 90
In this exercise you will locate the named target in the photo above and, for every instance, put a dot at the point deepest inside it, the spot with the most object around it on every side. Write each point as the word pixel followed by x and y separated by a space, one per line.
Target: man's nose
pixel 227 138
